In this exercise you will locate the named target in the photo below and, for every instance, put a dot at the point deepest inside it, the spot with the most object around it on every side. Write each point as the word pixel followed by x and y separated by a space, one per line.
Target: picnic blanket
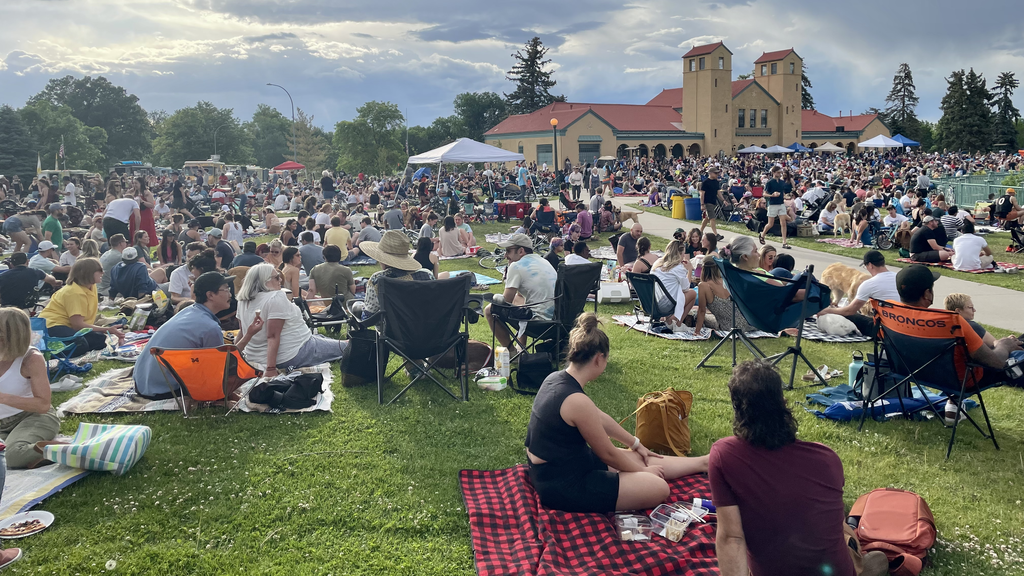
pixel 361 260
pixel 481 280
pixel 844 404
pixel 811 332
pixel 495 238
pixel 23 489
pixel 322 402
pixel 688 334
pixel 459 257
pixel 603 253
pixel 511 533
pixel 949 266
pixel 114 391
pixel 844 242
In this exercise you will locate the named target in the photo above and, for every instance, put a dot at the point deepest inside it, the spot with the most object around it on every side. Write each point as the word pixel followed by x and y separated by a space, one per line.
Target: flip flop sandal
pixel 760 239
pixel 836 373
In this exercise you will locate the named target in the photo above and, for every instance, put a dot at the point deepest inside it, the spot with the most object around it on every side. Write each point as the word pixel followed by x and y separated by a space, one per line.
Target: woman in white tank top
pixel 232 230
pixel 27 420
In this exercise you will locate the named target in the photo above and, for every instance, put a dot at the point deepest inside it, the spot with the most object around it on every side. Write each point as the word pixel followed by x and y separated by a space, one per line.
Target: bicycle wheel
pixel 883 242
pixel 491 262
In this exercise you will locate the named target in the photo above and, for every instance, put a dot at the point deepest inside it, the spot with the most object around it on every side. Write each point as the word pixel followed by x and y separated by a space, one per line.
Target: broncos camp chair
pixel 205 374
pixel 649 291
pixel 771 308
pixel 929 348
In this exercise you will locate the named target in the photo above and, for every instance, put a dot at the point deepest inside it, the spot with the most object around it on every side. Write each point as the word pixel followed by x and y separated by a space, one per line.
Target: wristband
pixel 636 443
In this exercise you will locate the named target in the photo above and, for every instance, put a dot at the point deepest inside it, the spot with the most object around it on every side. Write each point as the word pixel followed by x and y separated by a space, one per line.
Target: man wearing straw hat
pixel 392 252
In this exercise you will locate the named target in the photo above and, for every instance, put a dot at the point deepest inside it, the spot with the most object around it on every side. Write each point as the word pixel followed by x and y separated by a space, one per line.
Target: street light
pixel 295 148
pixel 215 140
pixel 554 139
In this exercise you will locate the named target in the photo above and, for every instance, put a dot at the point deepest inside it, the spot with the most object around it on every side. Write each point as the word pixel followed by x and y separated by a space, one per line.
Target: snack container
pixel 633 527
pixel 501 361
pixel 472 250
pixel 670 521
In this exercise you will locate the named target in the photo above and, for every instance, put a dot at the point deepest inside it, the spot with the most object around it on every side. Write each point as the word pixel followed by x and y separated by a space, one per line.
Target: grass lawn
pixel 997 242
pixel 372 490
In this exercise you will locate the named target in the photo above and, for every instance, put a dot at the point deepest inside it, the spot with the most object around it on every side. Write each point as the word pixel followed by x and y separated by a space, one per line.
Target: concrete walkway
pixel 995 306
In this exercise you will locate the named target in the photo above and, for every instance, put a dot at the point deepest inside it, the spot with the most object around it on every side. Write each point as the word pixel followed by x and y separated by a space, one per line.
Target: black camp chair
pixel 331 319
pixel 928 348
pixel 418 332
pixel 572 287
pixel 771 308
pixel 649 291
pixel 1016 241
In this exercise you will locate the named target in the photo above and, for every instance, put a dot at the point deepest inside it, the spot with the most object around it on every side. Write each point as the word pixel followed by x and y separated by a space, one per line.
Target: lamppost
pixel 554 139
pixel 295 148
pixel 215 140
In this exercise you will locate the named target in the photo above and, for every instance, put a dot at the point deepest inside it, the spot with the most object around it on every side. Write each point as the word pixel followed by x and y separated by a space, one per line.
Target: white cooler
pixel 613 292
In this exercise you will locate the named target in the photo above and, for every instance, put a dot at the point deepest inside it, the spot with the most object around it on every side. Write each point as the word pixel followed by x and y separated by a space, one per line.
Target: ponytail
pixel 587 339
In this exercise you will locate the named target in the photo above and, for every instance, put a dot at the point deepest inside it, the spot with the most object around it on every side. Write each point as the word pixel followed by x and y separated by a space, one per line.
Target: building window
pixel 726 108
pixel 840 128
pixel 716 132
pixel 775 68
pixel 693 65
pixel 753 118
pixel 792 68
pixel 520 147
pixel 764 118
pixel 787 109
pixel 743 118
pixel 701 62
pixel 716 82
pixel 721 62
pixel 797 133
pixel 589 153
pixel 764 69
pixel 544 153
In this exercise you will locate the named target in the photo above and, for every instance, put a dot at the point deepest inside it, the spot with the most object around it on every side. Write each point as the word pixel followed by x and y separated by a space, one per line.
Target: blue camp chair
pixel 61 349
pixel 771 308
pixel 649 291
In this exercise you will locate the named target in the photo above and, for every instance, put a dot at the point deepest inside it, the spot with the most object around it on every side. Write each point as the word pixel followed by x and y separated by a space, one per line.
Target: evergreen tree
pixel 901 105
pixel 949 132
pixel 17 154
pixel 806 100
pixel 311 145
pixel 533 82
pixel 978 123
pixel 1006 114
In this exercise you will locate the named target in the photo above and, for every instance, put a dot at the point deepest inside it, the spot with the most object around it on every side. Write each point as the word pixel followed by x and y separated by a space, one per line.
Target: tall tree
pixel 371 142
pixel 1006 114
pixel 52 126
pixel 98 102
pixel 978 123
pixel 18 152
pixel 806 100
pixel 312 149
pixel 533 82
pixel 189 134
pixel 271 136
pixel 901 104
pixel 479 112
pixel 950 128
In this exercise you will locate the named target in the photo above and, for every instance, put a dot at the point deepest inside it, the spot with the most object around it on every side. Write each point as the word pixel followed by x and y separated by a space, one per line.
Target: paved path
pixel 995 306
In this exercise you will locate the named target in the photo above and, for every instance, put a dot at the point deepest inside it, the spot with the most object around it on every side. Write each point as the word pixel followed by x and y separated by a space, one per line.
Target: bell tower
pixel 781 72
pixel 707 96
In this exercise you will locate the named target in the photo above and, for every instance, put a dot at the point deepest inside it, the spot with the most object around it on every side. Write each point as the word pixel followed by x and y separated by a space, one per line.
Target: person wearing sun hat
pixel 392 253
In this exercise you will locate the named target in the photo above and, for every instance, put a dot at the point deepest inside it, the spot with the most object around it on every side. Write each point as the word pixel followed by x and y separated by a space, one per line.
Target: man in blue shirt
pixel 130 278
pixel 193 328
pixel 523 173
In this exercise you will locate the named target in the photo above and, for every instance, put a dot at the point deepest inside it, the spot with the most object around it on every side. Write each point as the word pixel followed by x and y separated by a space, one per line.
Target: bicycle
pixel 492 261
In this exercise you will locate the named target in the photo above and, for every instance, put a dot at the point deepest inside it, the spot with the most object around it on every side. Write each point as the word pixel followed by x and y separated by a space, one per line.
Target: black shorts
pixel 588 486
pixel 931 256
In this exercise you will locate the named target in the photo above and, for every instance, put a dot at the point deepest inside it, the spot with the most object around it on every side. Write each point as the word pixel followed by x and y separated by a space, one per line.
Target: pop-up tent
pixel 289 165
pixel 797 147
pixel 777 150
pixel 829 147
pixel 880 141
pixel 752 150
pixel 464 150
pixel 905 141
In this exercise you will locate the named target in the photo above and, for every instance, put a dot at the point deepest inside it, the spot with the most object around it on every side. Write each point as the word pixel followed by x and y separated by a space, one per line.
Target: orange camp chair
pixel 206 374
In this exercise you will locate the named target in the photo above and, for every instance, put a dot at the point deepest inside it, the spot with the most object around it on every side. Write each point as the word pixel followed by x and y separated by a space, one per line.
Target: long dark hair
pixel 761 416
pixel 423 248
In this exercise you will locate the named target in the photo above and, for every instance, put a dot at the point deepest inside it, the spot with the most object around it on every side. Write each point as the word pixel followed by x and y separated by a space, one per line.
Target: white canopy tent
pixel 880 141
pixel 829 147
pixel 464 150
pixel 752 150
pixel 778 150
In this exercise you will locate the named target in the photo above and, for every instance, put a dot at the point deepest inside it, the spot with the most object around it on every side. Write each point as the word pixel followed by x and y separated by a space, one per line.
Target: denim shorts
pixel 317 350
pixel 13 225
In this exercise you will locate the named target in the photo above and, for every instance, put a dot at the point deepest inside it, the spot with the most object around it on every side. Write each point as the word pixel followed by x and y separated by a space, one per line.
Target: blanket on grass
pixel 361 260
pixel 705 334
pixel 844 404
pixel 513 534
pixel 459 257
pixel 23 489
pixel 481 280
pixel 114 391
pixel 844 242
pixel 811 332
pixel 949 266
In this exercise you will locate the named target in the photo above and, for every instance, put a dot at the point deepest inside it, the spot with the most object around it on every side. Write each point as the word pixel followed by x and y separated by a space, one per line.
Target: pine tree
pixel 901 104
pixel 1006 114
pixel 312 148
pixel 806 100
pixel 950 128
pixel 533 82
pixel 978 123
pixel 18 149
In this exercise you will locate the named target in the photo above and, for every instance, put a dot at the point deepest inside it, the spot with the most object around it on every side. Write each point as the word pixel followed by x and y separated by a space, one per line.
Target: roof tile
pixel 814 121
pixel 702 50
pixel 773 56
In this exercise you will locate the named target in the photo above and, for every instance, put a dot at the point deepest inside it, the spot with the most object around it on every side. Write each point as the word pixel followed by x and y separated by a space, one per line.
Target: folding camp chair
pixel 1016 241
pixel 545 221
pixel 929 348
pixel 59 349
pixel 331 319
pixel 649 291
pixel 572 287
pixel 569 205
pixel 422 321
pixel 771 308
pixel 205 374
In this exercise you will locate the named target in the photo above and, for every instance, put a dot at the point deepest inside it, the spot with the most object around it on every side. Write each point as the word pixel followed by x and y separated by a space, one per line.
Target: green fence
pixel 969 190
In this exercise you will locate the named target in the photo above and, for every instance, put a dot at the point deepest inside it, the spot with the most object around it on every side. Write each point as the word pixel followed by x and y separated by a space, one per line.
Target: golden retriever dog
pixel 844 281
pixel 624 215
pixel 842 224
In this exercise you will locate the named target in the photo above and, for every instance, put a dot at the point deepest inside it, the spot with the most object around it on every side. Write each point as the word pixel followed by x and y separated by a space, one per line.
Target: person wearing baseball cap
pixel 881 286
pixel 18 283
pixel 711 201
pixel 45 260
pixel 215 239
pixel 52 229
pixel 928 244
pixel 529 282
pixel 130 277
pixel 193 328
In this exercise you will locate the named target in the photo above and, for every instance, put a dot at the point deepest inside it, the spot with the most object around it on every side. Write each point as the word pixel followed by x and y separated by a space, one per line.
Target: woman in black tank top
pixel 573 464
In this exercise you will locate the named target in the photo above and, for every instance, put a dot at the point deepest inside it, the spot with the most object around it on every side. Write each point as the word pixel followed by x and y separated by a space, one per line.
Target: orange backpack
pixel 897 522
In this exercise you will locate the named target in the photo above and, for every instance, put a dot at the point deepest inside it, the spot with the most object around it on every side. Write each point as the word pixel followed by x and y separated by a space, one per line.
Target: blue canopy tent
pixel 797 147
pixel 421 173
pixel 905 141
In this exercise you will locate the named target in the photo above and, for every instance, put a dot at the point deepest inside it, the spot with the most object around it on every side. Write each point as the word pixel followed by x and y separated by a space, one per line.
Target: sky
pixel 334 55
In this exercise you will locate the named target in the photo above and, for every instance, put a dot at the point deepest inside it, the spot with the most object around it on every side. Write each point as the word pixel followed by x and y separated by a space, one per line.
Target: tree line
pixel 100 124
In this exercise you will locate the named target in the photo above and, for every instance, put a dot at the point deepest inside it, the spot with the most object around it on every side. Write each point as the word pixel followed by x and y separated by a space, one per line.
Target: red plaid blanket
pixel 513 534
pixel 949 266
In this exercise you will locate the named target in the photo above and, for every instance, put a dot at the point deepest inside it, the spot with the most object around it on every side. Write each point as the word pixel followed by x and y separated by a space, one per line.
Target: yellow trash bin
pixel 677 207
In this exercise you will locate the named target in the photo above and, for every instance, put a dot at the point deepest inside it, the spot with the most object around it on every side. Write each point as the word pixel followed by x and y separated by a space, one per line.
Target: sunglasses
pixel 275 251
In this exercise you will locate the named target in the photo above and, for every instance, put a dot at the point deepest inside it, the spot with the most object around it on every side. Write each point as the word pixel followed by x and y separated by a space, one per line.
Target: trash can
pixel 677 207
pixel 693 209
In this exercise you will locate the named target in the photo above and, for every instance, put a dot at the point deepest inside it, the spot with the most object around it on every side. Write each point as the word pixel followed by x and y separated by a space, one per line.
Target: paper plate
pixel 45 517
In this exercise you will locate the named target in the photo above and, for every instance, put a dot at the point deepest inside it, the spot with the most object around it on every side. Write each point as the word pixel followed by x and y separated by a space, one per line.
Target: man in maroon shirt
pixel 779 500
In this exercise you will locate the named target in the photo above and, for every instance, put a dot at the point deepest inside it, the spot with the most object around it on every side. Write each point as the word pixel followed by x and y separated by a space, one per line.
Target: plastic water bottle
pixel 855 367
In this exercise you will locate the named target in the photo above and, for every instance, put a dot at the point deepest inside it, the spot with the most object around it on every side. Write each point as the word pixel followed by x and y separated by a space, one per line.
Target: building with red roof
pixel 710 114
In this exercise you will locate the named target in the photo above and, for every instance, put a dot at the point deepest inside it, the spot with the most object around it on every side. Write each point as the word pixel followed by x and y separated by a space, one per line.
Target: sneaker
pixel 9 556
pixel 720 237
pixel 949 415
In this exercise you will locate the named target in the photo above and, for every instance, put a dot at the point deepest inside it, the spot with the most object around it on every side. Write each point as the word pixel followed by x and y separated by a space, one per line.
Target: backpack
pixel 663 421
pixel 897 522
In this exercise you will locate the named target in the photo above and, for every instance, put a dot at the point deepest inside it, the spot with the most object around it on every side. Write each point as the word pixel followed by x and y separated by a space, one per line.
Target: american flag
pixel 62 148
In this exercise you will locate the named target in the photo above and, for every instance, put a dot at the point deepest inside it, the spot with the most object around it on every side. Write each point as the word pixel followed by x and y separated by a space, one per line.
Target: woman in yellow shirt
pixel 76 305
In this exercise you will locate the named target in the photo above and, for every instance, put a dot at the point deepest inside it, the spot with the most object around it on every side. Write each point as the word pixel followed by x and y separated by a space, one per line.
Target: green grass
pixel 373 490
pixel 997 242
